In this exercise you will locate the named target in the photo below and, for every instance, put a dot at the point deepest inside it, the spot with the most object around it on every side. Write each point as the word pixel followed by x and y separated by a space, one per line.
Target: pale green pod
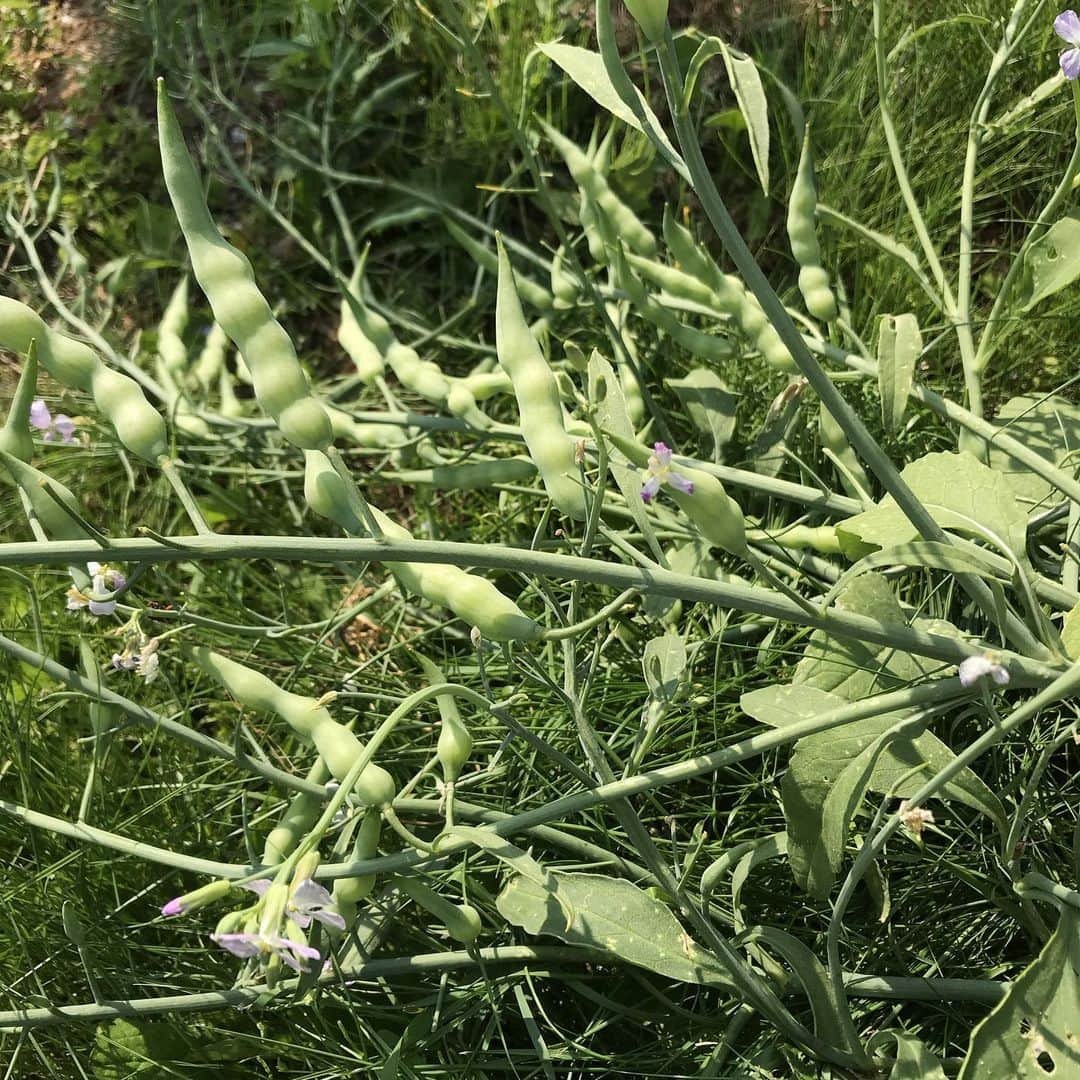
pixel 834 439
pixel 691 256
pixel 328 495
pixel 171 347
pixel 532 293
pixel 802 234
pixel 255 691
pixel 671 280
pixel 628 227
pixel 57 524
pixel 564 285
pixel 301 813
pixel 138 424
pixel 228 403
pixel 462 404
pixel 455 743
pixel 348 892
pixel 422 377
pixel 486 384
pixel 363 334
pixel 471 476
pixel 15 436
pixel 462 921
pixel 227 280
pixel 369 435
pixel 537 393
pixel 341 749
pixel 211 359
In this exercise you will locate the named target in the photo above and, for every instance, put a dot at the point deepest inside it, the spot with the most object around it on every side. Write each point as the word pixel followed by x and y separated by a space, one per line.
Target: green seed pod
pixel 485 384
pixel 363 334
pixel 255 691
pixel 300 814
pixel 563 285
pixel 422 377
pixel 535 295
pixel 328 495
pixel 461 403
pixel 231 922
pixel 627 226
pixel 802 233
pixel 227 280
pixel 15 434
pixel 340 748
pixel 675 282
pixel 171 348
pixel 853 475
pixel 138 424
pixel 348 892
pixel 692 257
pixel 472 476
pixel 368 435
pixel 537 394
pixel 73 927
pixel 57 524
pixel 228 403
pixel 462 921
pixel 455 743
pixel 211 359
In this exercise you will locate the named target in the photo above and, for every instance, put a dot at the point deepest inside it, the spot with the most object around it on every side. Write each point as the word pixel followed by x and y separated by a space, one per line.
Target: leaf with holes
pixel 1052 263
pixel 1034 1034
pixel 613 916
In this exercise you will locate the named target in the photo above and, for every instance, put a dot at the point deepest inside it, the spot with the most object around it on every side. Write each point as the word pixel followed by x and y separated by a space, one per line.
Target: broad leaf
pixel 613 916
pixel 665 666
pixel 586 68
pixel 899 348
pixel 1048 425
pixel 1052 262
pixel 959 491
pixel 709 404
pixel 913 1060
pixel 1070 634
pixel 1035 1032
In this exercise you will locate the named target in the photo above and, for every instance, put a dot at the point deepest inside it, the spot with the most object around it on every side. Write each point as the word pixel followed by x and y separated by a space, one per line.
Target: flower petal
pixel 330 918
pixel 999 674
pixel 650 488
pixel 40 417
pixel 102 607
pixel 1067 27
pixel 243 945
pixel 973 668
pixel 173 907
pixel 681 483
pixel 65 428
pixel 258 886
pixel 310 894
pixel 1070 63
pixel 663 453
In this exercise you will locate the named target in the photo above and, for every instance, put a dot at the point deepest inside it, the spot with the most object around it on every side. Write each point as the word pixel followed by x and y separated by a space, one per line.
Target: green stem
pixel 187 500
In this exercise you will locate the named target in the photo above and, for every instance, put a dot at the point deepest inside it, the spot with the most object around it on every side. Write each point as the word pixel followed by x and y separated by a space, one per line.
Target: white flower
pixel 915 819
pixel 975 668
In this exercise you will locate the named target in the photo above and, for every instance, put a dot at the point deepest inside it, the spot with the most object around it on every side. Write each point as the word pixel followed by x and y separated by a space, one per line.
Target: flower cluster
pixel 140 655
pixel 660 472
pixel 52 428
pixel 105 581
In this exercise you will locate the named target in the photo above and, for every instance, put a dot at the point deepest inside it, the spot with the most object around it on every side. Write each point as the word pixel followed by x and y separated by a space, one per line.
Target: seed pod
pixel 853 476
pixel 472 476
pixel 627 226
pixel 227 280
pixel 363 334
pixel 802 233
pixel 692 258
pixel 368 435
pixel 301 813
pixel 171 348
pixel 485 384
pixel 15 434
pixel 422 377
pixel 211 359
pixel 57 524
pixel 563 285
pixel 340 748
pixel 455 743
pixel 228 403
pixel 535 295
pixel 537 395
pixel 461 403
pixel 462 921
pixel 348 892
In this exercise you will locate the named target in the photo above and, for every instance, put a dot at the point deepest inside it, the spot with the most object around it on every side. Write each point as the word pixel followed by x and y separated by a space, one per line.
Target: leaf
pixel 1052 262
pixel 1048 425
pixel 899 348
pixel 745 81
pixel 913 1060
pixel 613 916
pixel 959 491
pixel 665 666
pixel 586 68
pixel 1035 1031
pixel 1070 634
pixel 709 404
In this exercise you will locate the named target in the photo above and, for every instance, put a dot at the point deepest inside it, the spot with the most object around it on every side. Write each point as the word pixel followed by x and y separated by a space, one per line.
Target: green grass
pixel 951 910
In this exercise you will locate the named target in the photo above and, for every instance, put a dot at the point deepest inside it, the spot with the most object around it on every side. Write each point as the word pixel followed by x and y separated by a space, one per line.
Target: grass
pixel 409 108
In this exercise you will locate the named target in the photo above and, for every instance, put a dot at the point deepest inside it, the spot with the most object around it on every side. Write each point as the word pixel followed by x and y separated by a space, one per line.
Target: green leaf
pixel 1035 1032
pixel 745 81
pixel 613 916
pixel 913 1060
pixel 1052 262
pixel 959 491
pixel 586 68
pixel 1048 425
pixel 709 404
pixel 665 666
pixel 1070 634
pixel 899 348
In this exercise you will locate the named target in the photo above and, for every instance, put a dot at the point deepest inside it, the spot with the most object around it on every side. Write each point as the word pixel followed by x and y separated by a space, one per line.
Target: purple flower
pixel 309 901
pixel 62 426
pixel 1067 27
pixel 265 946
pixel 173 907
pixel 660 472
pixel 975 668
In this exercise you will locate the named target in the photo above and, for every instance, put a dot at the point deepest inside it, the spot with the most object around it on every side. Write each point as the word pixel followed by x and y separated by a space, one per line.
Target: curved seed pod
pixel 255 691
pixel 211 359
pixel 301 813
pixel 171 348
pixel 340 749
pixel 802 233
pixel 348 892
pixel 57 524
pixel 852 476
pixel 627 226
pixel 563 284
pixel 373 436
pixel 535 295
pixel 455 743
pixel 537 395
pixel 472 598
pixel 363 334
pixel 119 398
pixel 675 282
pixel 485 384
pixel 227 280
pixel 462 921
pixel 462 404
pixel 472 476
pixel 691 256
pixel 15 434
pixel 422 377
pixel 228 403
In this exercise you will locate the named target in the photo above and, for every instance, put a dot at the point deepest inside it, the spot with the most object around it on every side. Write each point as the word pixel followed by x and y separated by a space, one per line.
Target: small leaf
pixel 899 348
pixel 665 666
pixel 745 81
pixel 1035 1032
pixel 1052 262
pixel 709 404
pixel 613 916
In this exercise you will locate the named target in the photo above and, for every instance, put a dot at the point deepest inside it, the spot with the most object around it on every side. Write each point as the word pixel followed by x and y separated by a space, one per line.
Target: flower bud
pixel 181 905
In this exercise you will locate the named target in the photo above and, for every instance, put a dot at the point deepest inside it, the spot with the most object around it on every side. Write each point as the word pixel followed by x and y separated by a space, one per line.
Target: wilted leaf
pixel 899 348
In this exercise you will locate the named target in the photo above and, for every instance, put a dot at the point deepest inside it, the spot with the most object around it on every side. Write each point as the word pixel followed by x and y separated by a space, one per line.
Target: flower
pixel 309 900
pixel 173 907
pixel 141 656
pixel 62 426
pixel 974 668
pixel 915 819
pixel 104 580
pixel 267 945
pixel 1067 27
pixel 660 472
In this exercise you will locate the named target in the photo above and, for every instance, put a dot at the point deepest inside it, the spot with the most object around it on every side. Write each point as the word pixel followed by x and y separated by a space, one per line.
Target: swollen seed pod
pixel 462 921
pixel 485 384
pixel 627 226
pixel 228 403
pixel 363 334
pixel 462 404
pixel 57 524
pixel 137 423
pixel 15 434
pixel 472 476
pixel 301 813
pixel 211 359
pixel 327 494
pixel 535 295
pixel 455 743
pixel 537 395
pixel 563 285
pixel 171 348
pixel 852 476
pixel 227 280
pixel 802 233
pixel 692 258
pixel 422 377
pixel 340 748
pixel 348 892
